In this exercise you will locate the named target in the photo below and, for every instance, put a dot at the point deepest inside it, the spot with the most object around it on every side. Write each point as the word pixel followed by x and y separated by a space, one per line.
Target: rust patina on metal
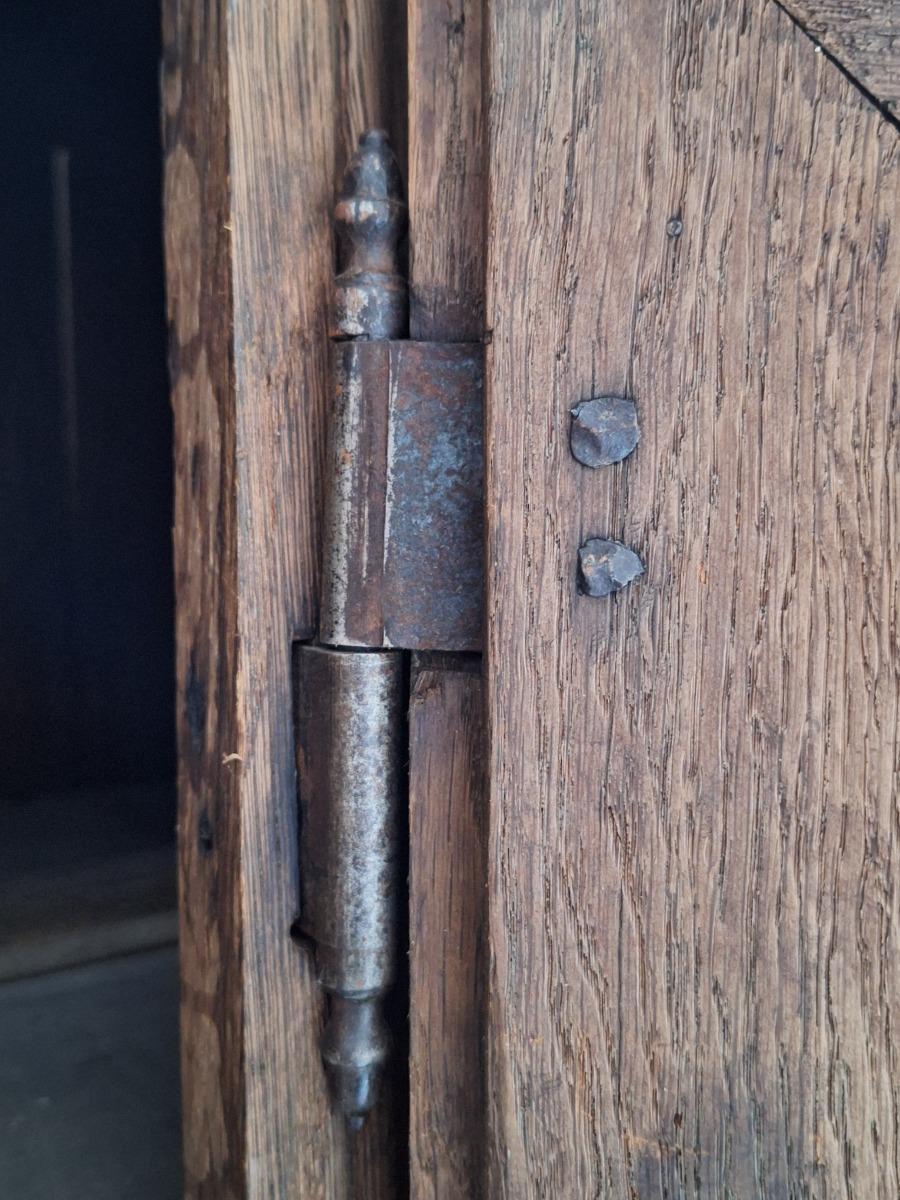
pixel 403 513
pixel 605 566
pixel 604 430
pixel 402 565
pixel 369 298
pixel 433 573
pixel 350 710
pixel 402 570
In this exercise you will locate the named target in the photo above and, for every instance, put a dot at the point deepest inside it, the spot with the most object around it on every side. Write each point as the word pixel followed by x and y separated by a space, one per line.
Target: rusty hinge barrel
pixel 403 509
pixel 350 702
pixel 350 713
pixel 401 570
pixel 404 467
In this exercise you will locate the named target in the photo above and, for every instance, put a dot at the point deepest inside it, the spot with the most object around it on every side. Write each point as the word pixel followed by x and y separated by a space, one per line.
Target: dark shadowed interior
pixel 87 796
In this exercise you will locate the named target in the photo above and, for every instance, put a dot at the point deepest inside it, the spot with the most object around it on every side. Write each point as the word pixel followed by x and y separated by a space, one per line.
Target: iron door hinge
pixel 401 570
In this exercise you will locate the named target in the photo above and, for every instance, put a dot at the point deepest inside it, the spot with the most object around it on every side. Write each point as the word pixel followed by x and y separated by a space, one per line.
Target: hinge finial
pixel 370 293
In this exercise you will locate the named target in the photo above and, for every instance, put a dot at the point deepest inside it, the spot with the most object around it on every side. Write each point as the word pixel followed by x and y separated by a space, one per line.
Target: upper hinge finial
pixel 370 293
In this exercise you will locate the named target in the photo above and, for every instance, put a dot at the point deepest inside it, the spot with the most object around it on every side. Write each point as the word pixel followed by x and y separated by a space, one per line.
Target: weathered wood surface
pixel 693 851
pixel 447 950
pixel 281 158
pixel 446 179
pixel 370 57
pixel 199 284
pixel 864 37
pixel 251 117
pixel 447 812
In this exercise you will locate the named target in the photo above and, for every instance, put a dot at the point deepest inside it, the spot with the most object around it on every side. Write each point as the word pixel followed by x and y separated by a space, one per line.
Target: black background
pixel 86 606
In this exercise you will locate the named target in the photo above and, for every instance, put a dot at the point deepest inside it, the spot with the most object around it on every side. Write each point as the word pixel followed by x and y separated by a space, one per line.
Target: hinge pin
pixel 350 701
pixel 401 570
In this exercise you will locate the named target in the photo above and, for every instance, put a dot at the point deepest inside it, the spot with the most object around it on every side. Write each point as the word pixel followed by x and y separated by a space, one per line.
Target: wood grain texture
pixel 447 873
pixel 282 170
pixel 694 844
pixel 199 286
pixel 370 66
pixel 864 37
pixel 447 812
pixel 248 102
pixel 446 179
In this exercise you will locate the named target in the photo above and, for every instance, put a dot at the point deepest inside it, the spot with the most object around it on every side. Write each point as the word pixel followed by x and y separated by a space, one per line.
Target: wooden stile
pixel 447 813
pixel 247 192
pixel 693 837
pixel 253 124
pixel 446 171
pixel 447 930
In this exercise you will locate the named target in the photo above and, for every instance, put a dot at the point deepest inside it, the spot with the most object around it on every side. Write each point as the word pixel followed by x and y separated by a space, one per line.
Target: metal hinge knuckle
pixel 401 570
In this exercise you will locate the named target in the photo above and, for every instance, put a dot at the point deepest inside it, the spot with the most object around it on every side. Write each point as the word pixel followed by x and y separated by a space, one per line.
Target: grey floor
pixel 89 1082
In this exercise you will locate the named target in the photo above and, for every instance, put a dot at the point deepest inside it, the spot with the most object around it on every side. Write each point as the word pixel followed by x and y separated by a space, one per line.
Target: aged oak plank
pixel 446 170
pixel 864 37
pixel 199 284
pixel 693 849
pixel 281 159
pixel 447 872
pixel 251 118
pixel 447 813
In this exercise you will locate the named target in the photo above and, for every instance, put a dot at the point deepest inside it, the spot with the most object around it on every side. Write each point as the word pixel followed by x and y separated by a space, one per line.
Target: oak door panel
pixel 693 845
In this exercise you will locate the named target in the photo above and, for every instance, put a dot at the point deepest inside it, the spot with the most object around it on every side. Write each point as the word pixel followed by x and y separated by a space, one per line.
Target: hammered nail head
pixel 604 430
pixel 606 566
